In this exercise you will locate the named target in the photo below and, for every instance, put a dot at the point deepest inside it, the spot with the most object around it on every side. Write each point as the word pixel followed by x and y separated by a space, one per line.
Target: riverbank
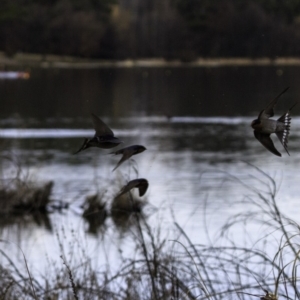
pixel 25 60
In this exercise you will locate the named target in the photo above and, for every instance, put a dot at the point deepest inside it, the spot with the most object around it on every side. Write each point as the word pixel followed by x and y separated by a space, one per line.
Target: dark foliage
pixel 242 28
pixel 119 29
pixel 67 27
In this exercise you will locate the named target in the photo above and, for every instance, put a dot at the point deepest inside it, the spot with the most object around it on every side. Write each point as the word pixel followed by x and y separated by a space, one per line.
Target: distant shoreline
pixel 64 62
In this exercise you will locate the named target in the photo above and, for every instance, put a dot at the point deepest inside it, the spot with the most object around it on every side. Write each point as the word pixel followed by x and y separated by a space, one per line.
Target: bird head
pixel 141 149
pixel 255 123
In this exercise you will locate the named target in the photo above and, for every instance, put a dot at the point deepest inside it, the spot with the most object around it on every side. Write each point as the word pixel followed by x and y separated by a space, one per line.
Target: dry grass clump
pixel 23 200
pixel 25 197
pixel 18 193
pixel 121 211
pixel 26 203
pixel 17 196
pixel 127 203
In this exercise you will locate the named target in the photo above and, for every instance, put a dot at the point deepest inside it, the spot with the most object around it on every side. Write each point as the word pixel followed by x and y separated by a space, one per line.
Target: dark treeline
pixel 184 29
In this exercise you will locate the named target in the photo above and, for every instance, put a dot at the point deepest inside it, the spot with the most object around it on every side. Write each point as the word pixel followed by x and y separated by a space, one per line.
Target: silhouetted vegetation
pixel 118 29
pixel 174 267
pixel 66 27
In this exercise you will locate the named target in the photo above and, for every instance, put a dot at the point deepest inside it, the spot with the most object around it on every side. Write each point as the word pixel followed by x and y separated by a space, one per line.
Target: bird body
pixel 104 137
pixel 264 126
pixel 267 126
pixel 127 153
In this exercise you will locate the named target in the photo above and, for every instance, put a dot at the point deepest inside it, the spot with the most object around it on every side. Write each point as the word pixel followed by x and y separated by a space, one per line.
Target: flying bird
pixel 264 126
pixel 128 152
pixel 141 183
pixel 104 137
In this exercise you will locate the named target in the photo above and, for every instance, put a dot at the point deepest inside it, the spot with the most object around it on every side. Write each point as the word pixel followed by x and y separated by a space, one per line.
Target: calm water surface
pixel 194 122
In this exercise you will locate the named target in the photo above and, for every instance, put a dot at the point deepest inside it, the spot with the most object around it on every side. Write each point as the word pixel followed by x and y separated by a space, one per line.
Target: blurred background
pixel 171 43
pixel 172 29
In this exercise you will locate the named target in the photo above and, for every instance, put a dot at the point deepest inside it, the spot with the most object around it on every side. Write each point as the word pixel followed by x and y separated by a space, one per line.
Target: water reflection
pixel 60 93
pixel 95 213
pixel 39 219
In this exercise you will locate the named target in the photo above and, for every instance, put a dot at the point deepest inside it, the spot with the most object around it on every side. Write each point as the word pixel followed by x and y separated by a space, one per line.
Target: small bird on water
pixel 264 126
pixel 104 137
pixel 140 183
pixel 128 152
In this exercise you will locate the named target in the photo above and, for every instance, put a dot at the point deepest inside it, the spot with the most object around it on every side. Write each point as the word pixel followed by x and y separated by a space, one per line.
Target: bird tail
pixel 283 136
pixel 116 152
pixel 83 147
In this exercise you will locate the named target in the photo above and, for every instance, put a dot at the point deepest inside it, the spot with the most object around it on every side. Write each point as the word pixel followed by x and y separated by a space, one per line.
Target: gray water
pixel 195 124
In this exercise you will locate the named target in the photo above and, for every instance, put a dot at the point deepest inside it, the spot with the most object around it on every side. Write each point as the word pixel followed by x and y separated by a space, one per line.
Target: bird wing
pixel 127 153
pixel 266 141
pixel 120 151
pixel 83 147
pixel 143 186
pixel 269 110
pixel 130 185
pixel 100 127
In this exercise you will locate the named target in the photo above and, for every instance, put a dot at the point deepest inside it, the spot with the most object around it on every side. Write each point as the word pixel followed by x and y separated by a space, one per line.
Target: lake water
pixel 194 122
